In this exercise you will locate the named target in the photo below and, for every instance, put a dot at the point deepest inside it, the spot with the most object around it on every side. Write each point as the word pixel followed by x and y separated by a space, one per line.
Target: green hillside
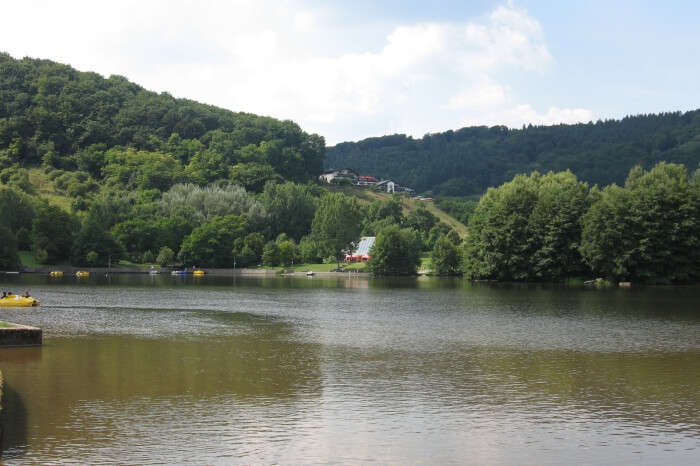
pixel 54 115
pixel 469 160
pixel 98 170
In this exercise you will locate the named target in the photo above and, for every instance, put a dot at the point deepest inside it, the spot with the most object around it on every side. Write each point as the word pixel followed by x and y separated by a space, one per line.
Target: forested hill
pixel 469 160
pixel 53 114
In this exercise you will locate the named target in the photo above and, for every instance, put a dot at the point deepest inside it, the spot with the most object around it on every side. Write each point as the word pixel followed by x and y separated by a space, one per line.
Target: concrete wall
pixel 20 335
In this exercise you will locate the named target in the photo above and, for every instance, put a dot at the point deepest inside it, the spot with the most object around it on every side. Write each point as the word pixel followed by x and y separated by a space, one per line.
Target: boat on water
pixel 82 274
pixel 15 300
pixel 310 273
pixel 198 273
pixel 178 272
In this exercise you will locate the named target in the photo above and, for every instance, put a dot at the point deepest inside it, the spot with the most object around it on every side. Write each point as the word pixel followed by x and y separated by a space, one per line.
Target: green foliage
pixel 291 208
pixel 286 252
pixel 52 234
pixel 427 225
pixel 18 178
pixel 445 257
pixel 527 229
pixel 206 166
pixel 16 209
pixel 166 257
pixel 461 209
pixel 68 119
pixel 9 259
pixel 211 244
pixel 469 160
pixel 648 230
pixel 131 169
pixel 380 214
pixel 336 224
pixel 395 252
pixel 253 176
pixel 148 257
pixel 94 245
pixel 138 235
pixel 249 250
pixel 271 255
pixel 201 204
pixel 309 251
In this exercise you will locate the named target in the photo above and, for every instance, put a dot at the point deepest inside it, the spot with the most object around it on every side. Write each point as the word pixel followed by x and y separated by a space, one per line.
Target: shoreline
pixel 216 272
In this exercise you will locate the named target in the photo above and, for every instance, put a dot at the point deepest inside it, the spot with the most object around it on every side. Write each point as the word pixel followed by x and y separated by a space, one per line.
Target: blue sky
pixel 349 70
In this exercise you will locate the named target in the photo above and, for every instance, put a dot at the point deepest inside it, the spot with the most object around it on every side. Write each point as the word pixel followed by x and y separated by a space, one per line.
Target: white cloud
pixel 524 114
pixel 289 61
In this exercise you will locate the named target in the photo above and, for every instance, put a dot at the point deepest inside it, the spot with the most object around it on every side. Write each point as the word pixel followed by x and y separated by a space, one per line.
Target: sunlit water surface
pixel 157 369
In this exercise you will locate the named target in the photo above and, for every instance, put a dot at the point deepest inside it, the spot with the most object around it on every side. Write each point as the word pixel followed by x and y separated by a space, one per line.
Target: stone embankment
pixel 20 335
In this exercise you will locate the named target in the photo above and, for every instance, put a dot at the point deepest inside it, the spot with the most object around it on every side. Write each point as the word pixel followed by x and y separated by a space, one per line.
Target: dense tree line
pixel 552 227
pixel 469 160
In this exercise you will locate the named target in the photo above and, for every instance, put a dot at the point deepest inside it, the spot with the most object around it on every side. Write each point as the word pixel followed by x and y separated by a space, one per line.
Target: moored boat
pixel 15 300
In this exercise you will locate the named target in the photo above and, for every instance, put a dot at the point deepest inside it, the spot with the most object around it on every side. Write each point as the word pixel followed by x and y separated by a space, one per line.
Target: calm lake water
pixel 157 369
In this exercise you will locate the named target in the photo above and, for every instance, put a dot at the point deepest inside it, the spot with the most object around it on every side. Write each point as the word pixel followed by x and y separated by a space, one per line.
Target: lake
pixel 159 369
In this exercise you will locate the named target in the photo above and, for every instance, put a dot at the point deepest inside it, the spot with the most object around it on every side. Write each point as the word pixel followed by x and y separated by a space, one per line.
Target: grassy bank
pixel 5 324
pixel 352 267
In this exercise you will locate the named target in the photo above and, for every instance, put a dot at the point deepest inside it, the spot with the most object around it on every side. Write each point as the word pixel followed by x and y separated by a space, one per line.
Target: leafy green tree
pixel 9 259
pixel 253 176
pixel 309 251
pixel 287 251
pixel 166 257
pixel 271 256
pixel 381 209
pixel 374 227
pixel 206 166
pixel 52 233
pixel 446 258
pixel 291 208
pixel 422 221
pixel 141 169
pixel 212 244
pixel 554 229
pixel 205 203
pixel 336 224
pixel 395 252
pixel 647 231
pixel 94 245
pixel 17 209
pixel 497 246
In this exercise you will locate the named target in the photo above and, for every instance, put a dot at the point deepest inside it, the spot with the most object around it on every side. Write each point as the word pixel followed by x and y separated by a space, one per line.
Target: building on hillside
pixel 387 186
pixel 362 252
pixel 366 180
pixel 406 190
pixel 344 173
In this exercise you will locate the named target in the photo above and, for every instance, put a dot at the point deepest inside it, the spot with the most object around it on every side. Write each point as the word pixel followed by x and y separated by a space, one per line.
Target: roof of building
pixel 365 245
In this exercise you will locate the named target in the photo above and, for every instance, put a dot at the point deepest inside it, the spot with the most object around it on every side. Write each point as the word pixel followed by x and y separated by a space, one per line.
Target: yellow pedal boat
pixel 15 300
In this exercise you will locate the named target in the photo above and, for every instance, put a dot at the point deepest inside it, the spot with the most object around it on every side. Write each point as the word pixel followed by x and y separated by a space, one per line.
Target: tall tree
pixel 291 208
pixel 647 231
pixel 212 244
pixel 445 257
pixel 52 233
pixel 396 252
pixel 336 224
pixel 8 249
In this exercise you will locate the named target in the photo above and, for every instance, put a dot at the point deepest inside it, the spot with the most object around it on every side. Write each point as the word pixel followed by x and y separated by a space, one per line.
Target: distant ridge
pixel 469 160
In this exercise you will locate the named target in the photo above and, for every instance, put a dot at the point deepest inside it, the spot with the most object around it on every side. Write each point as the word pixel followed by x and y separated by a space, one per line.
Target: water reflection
pixel 421 371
